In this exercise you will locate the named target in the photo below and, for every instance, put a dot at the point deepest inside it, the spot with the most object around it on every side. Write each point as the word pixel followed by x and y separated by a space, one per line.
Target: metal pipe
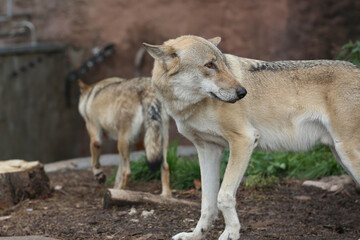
pixel 13 33
pixel 9 8
pixel 30 26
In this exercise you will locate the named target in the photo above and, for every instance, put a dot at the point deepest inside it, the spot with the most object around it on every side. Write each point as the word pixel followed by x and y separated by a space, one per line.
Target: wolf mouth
pixel 213 95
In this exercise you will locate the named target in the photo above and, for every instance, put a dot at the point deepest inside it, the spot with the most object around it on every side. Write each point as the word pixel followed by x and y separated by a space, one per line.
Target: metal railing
pixel 17 28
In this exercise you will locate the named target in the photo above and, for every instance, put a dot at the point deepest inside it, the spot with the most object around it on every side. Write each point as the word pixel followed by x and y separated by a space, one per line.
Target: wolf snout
pixel 241 92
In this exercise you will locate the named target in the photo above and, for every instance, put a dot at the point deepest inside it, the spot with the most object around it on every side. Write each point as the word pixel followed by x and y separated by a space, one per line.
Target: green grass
pixel 318 162
pixel 183 171
pixel 264 167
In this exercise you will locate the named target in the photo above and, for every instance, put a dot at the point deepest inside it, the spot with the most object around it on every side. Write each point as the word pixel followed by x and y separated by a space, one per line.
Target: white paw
pixel 186 236
pixel 230 235
pixel 166 193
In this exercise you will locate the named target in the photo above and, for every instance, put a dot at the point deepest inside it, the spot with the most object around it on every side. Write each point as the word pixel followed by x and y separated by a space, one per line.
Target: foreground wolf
pixel 125 110
pixel 289 105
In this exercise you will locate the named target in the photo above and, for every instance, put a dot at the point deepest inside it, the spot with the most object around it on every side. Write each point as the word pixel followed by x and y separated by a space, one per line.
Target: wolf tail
pixel 154 138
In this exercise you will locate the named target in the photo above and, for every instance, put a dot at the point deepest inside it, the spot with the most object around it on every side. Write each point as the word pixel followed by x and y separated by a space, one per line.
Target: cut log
pixel 115 197
pixel 20 180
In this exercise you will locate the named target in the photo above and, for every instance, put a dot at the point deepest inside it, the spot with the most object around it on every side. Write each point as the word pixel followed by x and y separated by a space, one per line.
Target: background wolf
pixel 125 110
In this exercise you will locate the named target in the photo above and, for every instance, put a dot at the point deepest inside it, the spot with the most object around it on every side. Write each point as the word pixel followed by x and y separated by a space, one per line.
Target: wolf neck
pixel 179 109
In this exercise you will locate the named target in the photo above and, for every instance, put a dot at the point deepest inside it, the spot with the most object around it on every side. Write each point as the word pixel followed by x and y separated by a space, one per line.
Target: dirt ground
pixel 284 211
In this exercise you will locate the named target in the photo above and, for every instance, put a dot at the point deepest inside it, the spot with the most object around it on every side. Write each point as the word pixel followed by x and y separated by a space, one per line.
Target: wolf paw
pixel 228 235
pixel 186 236
pixel 166 193
pixel 100 178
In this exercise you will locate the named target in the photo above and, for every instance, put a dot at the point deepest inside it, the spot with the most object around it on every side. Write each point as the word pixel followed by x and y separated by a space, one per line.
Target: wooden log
pixel 20 180
pixel 115 197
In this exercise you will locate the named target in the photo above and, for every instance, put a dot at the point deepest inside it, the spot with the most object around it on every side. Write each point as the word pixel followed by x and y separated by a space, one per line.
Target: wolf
pixel 126 110
pixel 285 105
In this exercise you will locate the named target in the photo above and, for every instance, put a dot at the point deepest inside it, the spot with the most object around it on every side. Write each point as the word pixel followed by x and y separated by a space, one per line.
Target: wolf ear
pixel 156 51
pixel 83 86
pixel 165 55
pixel 215 40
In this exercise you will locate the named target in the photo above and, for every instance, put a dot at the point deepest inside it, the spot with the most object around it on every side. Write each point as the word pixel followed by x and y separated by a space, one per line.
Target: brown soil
pixel 276 212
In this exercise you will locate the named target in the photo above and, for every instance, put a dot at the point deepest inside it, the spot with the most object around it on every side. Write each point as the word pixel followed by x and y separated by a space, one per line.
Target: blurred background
pixel 46 45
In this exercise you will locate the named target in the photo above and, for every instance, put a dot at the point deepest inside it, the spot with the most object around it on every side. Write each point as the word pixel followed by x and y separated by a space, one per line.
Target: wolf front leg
pixel 165 175
pixel 241 148
pixel 209 159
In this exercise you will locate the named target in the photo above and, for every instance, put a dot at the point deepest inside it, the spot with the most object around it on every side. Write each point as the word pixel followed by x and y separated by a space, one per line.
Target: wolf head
pixel 193 68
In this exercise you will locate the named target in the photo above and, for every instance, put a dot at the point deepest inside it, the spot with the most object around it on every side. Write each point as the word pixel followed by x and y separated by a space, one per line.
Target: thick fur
pixel 289 105
pixel 126 110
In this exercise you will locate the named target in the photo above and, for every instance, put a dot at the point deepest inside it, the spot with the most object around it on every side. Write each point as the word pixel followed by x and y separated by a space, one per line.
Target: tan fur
pixel 289 105
pixel 125 110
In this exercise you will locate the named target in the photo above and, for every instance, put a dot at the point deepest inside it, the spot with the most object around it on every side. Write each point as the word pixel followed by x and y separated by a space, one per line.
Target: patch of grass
pixel 183 171
pixel 183 177
pixel 141 172
pixel 264 167
pixel 318 162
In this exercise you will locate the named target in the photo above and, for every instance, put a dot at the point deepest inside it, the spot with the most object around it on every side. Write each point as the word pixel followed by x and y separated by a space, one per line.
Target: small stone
pixel 132 211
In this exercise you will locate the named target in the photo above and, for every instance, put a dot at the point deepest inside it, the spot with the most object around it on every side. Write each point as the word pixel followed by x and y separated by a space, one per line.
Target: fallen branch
pixel 330 184
pixel 114 197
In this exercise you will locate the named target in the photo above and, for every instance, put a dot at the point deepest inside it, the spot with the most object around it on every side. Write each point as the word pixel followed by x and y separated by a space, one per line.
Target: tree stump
pixel 20 180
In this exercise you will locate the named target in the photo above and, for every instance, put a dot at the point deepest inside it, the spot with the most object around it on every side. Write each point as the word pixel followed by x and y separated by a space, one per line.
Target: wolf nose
pixel 241 92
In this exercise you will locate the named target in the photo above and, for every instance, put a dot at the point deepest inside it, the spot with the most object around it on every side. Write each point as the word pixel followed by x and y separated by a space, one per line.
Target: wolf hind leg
pixel 123 172
pixel 165 179
pixel 348 155
pixel 95 150
pixel 345 130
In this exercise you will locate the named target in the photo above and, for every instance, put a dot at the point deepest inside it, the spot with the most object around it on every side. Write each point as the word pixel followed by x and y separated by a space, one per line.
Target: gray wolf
pixel 125 110
pixel 285 105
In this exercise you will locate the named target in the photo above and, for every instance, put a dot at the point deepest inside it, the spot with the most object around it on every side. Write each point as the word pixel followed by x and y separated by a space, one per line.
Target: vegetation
pixel 350 52
pixel 183 171
pixel 264 167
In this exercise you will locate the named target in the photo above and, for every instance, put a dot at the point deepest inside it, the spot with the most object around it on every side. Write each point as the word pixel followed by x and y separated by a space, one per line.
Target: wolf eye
pixel 210 65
